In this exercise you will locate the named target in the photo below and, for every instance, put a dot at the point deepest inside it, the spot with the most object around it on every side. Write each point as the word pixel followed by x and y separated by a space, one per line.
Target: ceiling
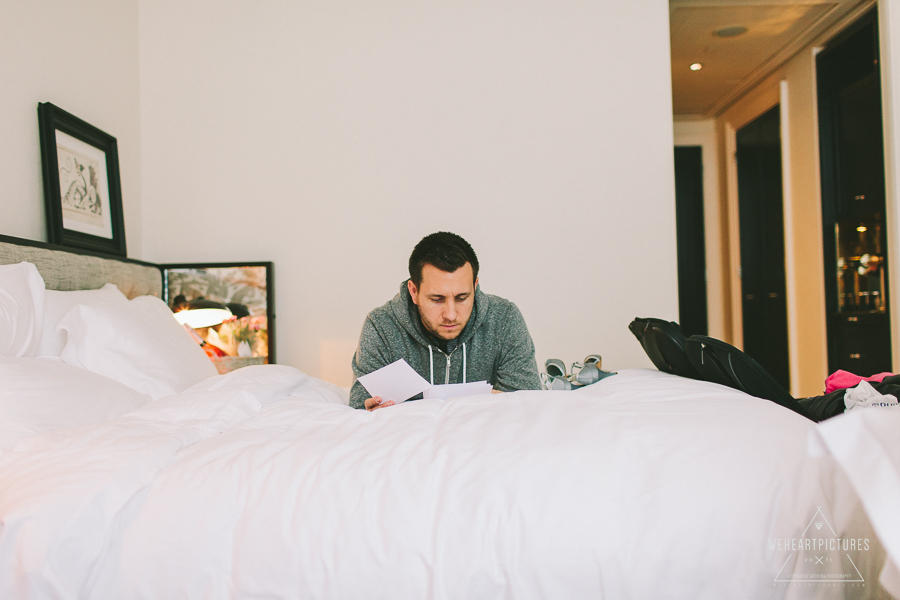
pixel 775 31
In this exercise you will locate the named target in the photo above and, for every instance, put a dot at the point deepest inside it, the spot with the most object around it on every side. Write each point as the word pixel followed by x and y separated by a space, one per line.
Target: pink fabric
pixel 844 379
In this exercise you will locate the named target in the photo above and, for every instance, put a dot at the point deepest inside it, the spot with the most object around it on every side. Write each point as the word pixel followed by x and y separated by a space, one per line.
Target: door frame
pixel 702 132
pixel 768 98
pixel 889 41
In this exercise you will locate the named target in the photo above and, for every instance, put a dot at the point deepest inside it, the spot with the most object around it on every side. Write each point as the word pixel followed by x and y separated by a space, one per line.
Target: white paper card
pixel 398 382
pixel 451 390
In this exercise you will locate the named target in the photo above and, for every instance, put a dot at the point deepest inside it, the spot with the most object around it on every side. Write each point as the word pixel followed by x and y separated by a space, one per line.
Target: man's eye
pixel 461 298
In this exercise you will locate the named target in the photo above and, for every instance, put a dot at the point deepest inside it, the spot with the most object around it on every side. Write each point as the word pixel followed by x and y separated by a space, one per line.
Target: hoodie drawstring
pixel 431 356
pixel 464 362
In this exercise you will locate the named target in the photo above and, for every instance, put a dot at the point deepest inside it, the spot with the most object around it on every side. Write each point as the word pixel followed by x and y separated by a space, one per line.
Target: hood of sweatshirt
pixel 406 313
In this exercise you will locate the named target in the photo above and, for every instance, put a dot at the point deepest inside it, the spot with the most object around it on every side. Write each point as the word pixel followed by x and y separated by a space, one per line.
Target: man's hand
pixel 376 403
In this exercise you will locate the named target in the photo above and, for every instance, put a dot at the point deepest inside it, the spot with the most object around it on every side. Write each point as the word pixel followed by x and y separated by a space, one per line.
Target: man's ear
pixel 413 292
pixel 476 283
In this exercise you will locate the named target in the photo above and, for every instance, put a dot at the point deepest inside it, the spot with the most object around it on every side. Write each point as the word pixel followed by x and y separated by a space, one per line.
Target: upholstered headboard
pixel 67 270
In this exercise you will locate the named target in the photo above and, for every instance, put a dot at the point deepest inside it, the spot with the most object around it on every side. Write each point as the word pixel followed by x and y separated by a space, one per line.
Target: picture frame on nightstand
pixel 246 290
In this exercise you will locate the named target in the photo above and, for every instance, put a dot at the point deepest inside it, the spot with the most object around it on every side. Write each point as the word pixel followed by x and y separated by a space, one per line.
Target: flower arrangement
pixel 247 336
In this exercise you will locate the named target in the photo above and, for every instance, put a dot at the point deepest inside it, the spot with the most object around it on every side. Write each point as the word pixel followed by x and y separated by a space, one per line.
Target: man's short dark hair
pixel 444 250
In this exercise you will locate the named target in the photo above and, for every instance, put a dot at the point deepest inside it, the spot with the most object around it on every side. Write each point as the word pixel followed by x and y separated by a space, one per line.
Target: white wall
pixel 330 137
pixel 82 57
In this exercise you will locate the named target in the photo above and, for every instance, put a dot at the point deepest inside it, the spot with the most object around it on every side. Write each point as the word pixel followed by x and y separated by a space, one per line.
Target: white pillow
pixel 137 343
pixel 21 309
pixel 58 304
pixel 42 394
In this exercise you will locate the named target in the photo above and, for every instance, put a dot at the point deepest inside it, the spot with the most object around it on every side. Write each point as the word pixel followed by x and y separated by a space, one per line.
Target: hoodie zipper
pixel 447 369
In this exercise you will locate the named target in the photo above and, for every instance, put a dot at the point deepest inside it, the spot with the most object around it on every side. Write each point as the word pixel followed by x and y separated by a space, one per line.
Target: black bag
pixel 664 343
pixel 708 359
pixel 721 362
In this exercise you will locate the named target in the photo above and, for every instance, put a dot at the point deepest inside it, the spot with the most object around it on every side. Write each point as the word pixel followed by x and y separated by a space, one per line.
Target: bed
pixel 129 470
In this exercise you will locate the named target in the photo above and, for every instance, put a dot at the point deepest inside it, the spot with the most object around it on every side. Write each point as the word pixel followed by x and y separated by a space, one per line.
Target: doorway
pixel 762 271
pixel 691 244
pixel 854 237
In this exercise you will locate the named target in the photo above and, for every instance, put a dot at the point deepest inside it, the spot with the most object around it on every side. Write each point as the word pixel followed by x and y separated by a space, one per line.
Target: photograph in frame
pixel 246 337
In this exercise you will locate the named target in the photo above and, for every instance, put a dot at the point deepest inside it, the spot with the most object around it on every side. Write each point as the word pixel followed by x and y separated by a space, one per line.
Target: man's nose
pixel 450 312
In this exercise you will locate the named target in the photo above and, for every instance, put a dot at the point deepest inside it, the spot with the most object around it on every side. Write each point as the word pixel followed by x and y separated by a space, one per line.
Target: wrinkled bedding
pixel 264 484
pixel 865 445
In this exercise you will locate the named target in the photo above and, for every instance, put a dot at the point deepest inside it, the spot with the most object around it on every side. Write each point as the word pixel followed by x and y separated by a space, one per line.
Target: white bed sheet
pixel 865 443
pixel 263 483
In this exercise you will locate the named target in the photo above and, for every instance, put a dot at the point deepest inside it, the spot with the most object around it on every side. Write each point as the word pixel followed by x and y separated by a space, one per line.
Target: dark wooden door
pixel 691 243
pixel 762 244
pixel 854 241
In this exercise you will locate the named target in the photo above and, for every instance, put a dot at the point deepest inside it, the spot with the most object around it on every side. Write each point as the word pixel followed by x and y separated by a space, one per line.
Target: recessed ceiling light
pixel 696 67
pixel 727 32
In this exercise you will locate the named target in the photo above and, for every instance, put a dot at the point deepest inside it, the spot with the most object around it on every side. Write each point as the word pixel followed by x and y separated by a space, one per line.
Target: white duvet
pixel 263 484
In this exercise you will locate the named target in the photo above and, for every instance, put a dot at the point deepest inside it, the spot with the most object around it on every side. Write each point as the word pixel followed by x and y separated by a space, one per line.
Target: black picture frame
pixel 88 213
pixel 170 290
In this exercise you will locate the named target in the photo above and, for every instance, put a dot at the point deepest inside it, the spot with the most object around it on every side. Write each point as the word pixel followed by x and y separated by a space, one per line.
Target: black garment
pixel 824 407
pixel 832 405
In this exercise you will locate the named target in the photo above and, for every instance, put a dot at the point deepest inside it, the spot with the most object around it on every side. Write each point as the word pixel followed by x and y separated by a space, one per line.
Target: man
pixel 445 327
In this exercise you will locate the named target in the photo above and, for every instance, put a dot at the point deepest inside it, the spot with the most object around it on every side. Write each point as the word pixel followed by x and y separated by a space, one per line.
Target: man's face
pixel 445 300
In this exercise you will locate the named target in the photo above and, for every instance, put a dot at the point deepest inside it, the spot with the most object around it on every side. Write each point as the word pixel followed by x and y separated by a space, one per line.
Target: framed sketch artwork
pixel 82 190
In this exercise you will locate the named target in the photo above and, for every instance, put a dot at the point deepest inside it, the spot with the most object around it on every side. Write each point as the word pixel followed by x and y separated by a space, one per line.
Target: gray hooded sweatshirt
pixel 494 346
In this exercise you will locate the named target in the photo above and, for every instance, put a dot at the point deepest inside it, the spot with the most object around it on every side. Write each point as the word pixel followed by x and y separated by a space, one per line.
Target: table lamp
pixel 202 313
